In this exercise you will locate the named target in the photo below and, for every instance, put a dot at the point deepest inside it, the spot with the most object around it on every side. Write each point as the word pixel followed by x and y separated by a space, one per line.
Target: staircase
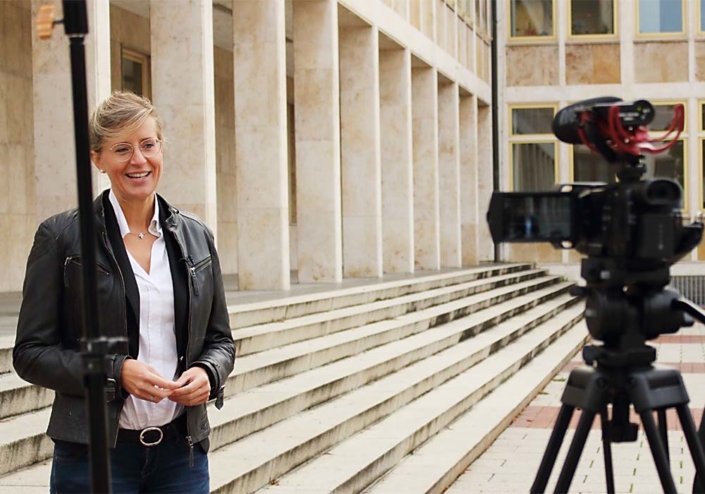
pixel 390 387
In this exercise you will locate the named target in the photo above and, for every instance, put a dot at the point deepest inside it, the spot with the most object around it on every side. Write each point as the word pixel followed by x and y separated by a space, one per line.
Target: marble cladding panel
pixel 667 62
pixel 700 61
pixel 316 92
pixel 426 245
pixel 317 176
pixel 425 156
pixel 449 174
pixel 263 241
pixel 415 13
pixel 260 96
pixel 260 159
pixel 469 211
pixel 532 65
pixel 396 161
pixel 226 181
pixel 15 244
pixel 321 262
pixel 130 30
pixel 536 253
pixel 593 63
pixel 362 246
pixel 484 181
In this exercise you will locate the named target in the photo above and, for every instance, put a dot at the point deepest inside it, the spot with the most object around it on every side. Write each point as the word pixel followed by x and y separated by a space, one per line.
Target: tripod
pixel 621 373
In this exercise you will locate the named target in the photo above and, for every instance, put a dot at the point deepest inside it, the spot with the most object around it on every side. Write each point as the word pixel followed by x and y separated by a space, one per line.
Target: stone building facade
pixel 330 139
pixel 556 52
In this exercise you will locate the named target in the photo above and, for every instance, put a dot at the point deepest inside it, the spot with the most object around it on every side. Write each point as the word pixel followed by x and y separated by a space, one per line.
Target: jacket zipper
pixel 195 268
pixel 192 274
pixel 123 303
pixel 75 259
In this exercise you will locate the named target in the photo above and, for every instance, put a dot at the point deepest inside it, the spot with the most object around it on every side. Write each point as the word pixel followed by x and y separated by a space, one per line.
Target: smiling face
pixel 136 179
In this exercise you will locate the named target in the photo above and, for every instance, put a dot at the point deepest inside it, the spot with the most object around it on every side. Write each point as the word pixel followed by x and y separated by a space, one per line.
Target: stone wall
pixel 17 192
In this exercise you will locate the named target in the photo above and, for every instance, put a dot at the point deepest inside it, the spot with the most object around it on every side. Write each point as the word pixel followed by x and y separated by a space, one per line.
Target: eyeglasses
pixel 123 151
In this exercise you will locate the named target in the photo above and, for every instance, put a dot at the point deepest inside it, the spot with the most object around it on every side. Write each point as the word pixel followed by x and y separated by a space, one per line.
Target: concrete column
pixel 98 67
pixel 183 88
pixel 360 142
pixel 397 161
pixel 484 182
pixel 259 59
pixel 424 89
pixel 449 173
pixel 470 214
pixel 317 123
pixel 54 149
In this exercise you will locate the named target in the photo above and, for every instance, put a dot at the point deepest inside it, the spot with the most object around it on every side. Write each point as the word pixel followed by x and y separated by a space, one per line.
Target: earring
pixel 102 171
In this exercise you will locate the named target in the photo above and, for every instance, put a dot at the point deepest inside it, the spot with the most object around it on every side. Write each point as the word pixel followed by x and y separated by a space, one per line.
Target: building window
pixel 592 17
pixel 663 116
pixel 671 164
pixel 135 72
pixel 591 167
pixel 533 148
pixel 660 16
pixel 701 5
pixel 532 121
pixel 531 18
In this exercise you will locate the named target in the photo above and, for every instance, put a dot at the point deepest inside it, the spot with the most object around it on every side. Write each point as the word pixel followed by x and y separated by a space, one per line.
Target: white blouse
pixel 157 336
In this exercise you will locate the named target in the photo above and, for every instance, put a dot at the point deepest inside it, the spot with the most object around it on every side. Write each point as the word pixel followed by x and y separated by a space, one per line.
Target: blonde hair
pixel 121 114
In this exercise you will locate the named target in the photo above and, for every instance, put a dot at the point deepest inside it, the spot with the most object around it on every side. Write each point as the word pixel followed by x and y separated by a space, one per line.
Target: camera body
pixel 636 221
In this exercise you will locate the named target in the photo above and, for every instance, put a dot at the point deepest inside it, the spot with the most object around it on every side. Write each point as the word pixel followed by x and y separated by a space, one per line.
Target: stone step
pixel 263 337
pixel 277 310
pixel 278 363
pixel 261 458
pixel 355 463
pixel 258 408
pixel 18 396
pixel 435 466
pixel 261 407
pixel 251 314
pixel 6 344
pixel 315 430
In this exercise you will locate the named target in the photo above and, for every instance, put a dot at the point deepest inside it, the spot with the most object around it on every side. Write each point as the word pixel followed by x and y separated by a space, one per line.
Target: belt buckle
pixel 150 429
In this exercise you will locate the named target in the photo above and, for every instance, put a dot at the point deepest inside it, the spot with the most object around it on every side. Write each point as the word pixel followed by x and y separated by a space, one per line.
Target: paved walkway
pixel 510 464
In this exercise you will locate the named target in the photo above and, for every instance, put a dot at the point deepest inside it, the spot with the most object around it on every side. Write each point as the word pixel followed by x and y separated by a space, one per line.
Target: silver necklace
pixel 139 235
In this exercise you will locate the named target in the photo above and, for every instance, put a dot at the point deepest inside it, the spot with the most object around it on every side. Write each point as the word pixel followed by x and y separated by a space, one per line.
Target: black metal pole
pixel 495 114
pixel 93 345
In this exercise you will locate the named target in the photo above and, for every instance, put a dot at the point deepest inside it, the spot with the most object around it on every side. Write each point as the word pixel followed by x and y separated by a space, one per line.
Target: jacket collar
pixel 171 212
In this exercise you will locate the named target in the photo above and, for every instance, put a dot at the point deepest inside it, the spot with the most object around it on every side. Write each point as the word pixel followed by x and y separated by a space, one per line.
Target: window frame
pixel 672 102
pixel 513 139
pixel 593 37
pixel 533 39
pixel 571 161
pixel 638 35
pixel 141 58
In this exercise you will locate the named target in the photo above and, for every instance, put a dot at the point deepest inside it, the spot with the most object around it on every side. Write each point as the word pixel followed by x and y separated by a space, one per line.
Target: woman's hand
pixel 144 382
pixel 194 387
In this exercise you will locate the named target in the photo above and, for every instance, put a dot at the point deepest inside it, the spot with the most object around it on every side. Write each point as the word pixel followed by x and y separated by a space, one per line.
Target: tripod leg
pixel 554 444
pixel 658 451
pixel 607 451
pixel 576 449
pixel 696 449
pixel 663 430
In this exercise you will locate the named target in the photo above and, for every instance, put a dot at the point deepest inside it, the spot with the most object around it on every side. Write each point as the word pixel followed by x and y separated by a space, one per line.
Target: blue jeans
pixel 134 468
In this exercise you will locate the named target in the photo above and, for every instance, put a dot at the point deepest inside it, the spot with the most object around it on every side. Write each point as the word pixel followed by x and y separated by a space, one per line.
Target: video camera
pixel 630 231
pixel 638 221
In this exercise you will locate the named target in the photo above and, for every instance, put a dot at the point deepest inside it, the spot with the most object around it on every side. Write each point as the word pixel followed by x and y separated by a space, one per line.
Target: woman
pixel 160 288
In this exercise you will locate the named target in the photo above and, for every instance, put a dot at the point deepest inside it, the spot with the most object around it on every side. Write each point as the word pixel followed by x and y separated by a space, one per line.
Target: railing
pixel 691 287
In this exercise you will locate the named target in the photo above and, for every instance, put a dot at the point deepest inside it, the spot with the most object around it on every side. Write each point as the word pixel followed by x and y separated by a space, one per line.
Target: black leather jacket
pixel 47 346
